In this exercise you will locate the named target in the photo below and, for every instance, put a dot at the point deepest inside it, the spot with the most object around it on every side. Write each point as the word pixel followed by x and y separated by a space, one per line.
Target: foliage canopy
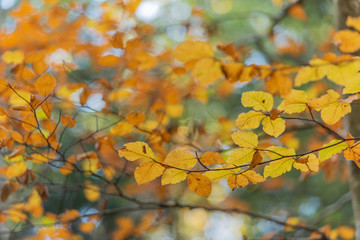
pixel 98 95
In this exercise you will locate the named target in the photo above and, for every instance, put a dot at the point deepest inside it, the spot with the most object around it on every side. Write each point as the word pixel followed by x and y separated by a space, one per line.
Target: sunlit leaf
pixel 330 149
pixel 200 184
pixel 45 84
pixel 148 171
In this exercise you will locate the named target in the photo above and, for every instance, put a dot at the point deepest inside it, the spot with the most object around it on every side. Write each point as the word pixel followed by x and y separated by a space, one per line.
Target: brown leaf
pixel 43 191
pixel 256 160
pixel 8 189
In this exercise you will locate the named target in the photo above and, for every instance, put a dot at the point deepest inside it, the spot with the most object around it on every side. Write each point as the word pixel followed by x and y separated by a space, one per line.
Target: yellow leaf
pixel 311 164
pixel 305 75
pixel 343 72
pixel 237 181
pixel 294 102
pixel 330 149
pixel 215 176
pixel 119 94
pixel 174 110
pixel 323 101
pixel 147 172
pixel 352 85
pixel 172 176
pixel 16 169
pixel 190 51
pixel 250 120
pixel 144 61
pixel 274 152
pixel 273 127
pixel 349 41
pixel 45 84
pixel 246 139
pixel 278 167
pixel 334 112
pixel 200 184
pixel 353 22
pixel 241 156
pixel 136 150
pixel 121 129
pixel 291 221
pixel 281 163
pixel 180 159
pixel 14 57
pixel 91 191
pixel 257 100
pixel 206 71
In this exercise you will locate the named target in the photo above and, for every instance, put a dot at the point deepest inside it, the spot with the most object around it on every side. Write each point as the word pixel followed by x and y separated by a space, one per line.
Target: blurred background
pixel 263 32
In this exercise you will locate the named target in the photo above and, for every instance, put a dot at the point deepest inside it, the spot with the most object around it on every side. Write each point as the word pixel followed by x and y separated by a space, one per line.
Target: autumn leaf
pixel 148 171
pixel 91 192
pixel 219 174
pixel 353 22
pixel 190 51
pixel 252 176
pixel 331 148
pixel 210 158
pixel 172 176
pixel 332 109
pixel 200 184
pixel 237 181
pixel 307 163
pixel 206 71
pixel 16 169
pixel 251 120
pixel 282 161
pixel 241 156
pixel 180 159
pixel 257 100
pixel 13 57
pixel 135 118
pixel 245 139
pixel 136 150
pixel 68 121
pixel 294 102
pixel 87 227
pixel 45 84
pixel 256 160
pixel 121 129
pixel 273 127
pixel 349 41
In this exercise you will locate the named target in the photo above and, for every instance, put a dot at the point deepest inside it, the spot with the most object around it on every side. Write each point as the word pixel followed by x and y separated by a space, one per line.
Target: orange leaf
pixel 68 121
pixel 47 108
pixel 200 184
pixel 45 84
pixel 210 158
pixel 87 227
pixel 135 118
pixel 349 41
pixel 297 11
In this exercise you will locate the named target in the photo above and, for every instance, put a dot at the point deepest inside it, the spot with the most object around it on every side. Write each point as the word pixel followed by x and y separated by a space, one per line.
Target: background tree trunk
pixel 343 9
